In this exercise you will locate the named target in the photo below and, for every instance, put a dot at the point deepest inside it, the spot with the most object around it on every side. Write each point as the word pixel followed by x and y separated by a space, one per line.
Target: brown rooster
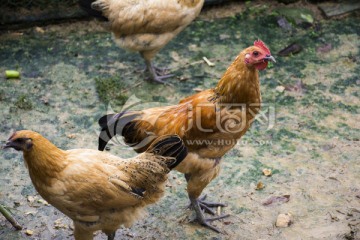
pixel 145 26
pixel 97 190
pixel 210 122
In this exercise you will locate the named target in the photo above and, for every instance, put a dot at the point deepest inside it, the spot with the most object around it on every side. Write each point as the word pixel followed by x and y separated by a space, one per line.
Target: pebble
pixel 280 88
pixel 284 220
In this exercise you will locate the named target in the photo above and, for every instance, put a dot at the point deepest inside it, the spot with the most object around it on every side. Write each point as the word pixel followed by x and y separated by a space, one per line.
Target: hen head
pixel 258 55
pixel 22 140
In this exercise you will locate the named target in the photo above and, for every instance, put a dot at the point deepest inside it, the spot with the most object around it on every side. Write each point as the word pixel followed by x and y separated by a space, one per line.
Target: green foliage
pixel 111 90
pixel 23 102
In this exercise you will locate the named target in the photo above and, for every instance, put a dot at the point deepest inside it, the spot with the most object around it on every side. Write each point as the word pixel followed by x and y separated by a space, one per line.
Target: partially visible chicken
pixel 145 26
pixel 97 190
pixel 210 123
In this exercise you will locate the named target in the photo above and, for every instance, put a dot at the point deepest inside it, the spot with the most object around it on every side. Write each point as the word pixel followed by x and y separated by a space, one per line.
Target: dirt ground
pixel 73 73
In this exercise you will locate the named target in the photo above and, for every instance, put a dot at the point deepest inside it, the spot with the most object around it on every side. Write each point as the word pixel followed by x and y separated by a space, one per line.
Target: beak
pixel 270 58
pixel 7 145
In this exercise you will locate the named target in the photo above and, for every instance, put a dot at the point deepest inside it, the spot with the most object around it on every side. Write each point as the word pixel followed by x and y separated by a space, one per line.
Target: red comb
pixel 261 44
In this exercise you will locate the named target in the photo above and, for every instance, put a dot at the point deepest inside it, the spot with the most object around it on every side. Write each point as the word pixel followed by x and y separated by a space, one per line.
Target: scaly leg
pixel 206 206
pixel 200 216
pixel 157 74
pixel 195 187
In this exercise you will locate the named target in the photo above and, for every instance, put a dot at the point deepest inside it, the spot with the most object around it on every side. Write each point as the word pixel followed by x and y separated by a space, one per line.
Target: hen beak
pixel 7 145
pixel 269 58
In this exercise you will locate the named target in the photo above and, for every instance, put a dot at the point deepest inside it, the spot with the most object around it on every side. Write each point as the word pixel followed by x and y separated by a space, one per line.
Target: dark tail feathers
pixel 111 125
pixel 86 6
pixel 169 146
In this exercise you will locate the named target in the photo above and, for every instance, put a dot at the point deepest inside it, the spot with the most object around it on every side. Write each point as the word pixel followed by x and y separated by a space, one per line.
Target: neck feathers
pixel 239 84
pixel 44 161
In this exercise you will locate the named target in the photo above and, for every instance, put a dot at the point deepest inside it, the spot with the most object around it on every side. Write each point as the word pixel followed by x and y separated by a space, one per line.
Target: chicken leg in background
pixel 145 26
pixel 210 123
pixel 97 190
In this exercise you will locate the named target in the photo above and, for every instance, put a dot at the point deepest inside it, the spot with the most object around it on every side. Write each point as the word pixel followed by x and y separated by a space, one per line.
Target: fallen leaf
pixel 259 186
pixel 292 49
pixel 298 87
pixel 324 48
pixel 276 199
pixel 284 24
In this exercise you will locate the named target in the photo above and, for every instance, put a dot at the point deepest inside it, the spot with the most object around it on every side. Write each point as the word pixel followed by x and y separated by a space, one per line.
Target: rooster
pixel 97 190
pixel 210 123
pixel 145 26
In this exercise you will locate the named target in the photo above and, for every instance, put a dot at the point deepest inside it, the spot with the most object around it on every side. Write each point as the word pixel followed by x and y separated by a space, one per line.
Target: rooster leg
pixel 207 205
pixel 200 216
pixel 195 187
pixel 156 73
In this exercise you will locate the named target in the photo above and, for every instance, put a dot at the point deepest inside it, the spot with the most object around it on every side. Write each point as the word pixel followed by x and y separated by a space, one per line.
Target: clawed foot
pixel 200 206
pixel 157 74
pixel 206 206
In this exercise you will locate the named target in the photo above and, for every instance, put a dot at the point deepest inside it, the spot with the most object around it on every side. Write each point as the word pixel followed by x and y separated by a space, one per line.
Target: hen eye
pixel 256 53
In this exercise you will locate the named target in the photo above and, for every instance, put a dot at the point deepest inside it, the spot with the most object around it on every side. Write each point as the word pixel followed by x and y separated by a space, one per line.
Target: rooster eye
pixel 255 53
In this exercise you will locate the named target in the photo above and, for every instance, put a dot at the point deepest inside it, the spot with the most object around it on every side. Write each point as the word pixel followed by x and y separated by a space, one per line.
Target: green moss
pixel 23 102
pixel 254 172
pixel 341 85
pixel 111 90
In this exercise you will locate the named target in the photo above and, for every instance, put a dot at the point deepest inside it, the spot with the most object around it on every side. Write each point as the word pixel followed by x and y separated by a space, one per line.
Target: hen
pixel 210 123
pixel 145 26
pixel 97 190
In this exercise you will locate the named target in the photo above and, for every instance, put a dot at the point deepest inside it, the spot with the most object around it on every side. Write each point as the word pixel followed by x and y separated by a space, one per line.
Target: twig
pixel 10 218
pixel 195 63
pixel 133 86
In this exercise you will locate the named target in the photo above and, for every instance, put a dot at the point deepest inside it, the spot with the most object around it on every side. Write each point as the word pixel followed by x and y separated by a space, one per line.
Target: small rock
pixel 45 100
pixel 29 232
pixel 30 213
pixel 30 199
pixel 224 36
pixel 267 172
pixel 280 88
pixel 39 30
pixel 284 220
pixel 71 135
